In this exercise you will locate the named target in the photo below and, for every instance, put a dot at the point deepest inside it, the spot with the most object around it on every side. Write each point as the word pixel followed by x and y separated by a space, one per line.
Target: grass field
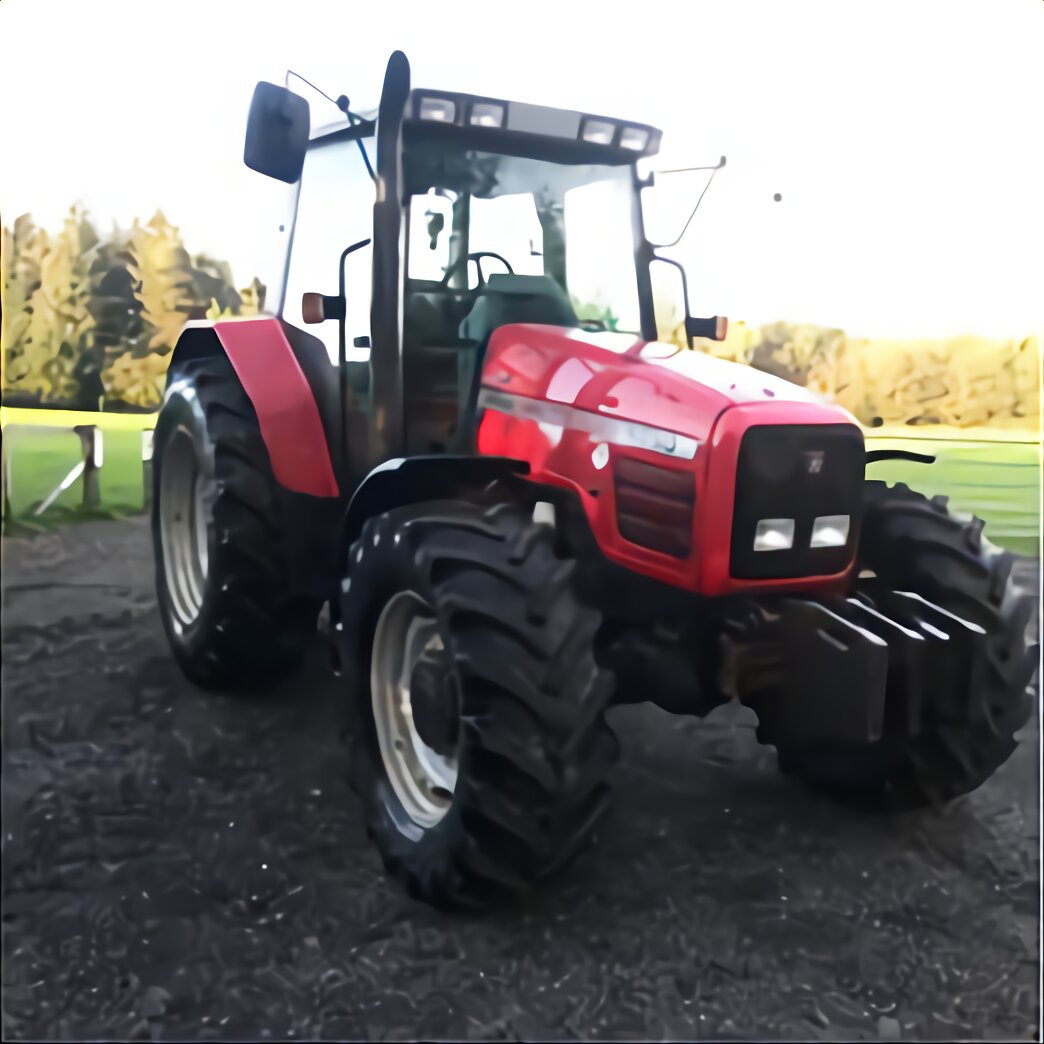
pixel 39 458
pixel 996 478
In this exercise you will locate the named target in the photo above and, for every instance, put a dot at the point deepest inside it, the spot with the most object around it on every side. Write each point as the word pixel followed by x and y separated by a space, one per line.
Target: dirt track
pixel 178 866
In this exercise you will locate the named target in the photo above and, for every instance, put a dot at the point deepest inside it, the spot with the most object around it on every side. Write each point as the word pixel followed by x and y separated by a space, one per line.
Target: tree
pixel 164 282
pixel 595 312
pixel 22 250
pixel 249 301
pixel 114 304
pixel 85 317
pixel 59 331
pixel 212 283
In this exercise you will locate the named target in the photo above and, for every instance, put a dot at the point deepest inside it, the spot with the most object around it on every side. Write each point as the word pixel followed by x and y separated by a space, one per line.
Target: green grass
pixel 40 458
pixel 997 480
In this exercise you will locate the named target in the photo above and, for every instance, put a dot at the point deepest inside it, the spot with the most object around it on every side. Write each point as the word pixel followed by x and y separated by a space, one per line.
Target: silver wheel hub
pixel 420 763
pixel 184 532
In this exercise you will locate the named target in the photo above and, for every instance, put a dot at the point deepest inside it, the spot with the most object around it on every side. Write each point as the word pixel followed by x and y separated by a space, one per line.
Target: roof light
pixel 441 109
pixel 634 138
pixel 830 531
pixel 486 114
pixel 774 534
pixel 598 132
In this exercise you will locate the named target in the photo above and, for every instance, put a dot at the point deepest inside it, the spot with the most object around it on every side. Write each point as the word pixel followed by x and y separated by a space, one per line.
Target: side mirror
pixel 317 308
pixel 277 132
pixel 716 328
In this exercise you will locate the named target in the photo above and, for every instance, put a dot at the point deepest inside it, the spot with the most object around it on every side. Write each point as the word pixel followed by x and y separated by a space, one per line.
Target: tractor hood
pixel 649 382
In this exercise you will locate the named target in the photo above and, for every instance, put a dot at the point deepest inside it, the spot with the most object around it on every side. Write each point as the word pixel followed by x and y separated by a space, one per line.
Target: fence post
pixel 146 466
pixel 91 441
pixel 5 472
pixel 90 462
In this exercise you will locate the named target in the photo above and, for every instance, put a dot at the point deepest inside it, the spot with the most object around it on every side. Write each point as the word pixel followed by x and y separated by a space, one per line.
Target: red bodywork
pixel 284 402
pixel 579 378
pixel 571 382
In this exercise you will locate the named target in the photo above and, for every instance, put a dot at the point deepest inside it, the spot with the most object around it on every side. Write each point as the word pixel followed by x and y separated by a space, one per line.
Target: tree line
pixel 90 319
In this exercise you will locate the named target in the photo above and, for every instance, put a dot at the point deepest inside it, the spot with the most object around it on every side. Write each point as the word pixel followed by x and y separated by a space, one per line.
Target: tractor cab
pixel 479 213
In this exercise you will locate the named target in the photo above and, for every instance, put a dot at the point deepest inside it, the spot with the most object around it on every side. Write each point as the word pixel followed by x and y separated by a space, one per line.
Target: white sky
pixel 906 136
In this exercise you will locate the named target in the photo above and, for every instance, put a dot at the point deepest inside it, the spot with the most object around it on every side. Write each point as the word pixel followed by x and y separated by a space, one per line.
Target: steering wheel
pixel 477 258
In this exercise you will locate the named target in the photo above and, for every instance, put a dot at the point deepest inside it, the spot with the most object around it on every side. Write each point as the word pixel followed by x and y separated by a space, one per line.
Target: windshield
pixel 572 222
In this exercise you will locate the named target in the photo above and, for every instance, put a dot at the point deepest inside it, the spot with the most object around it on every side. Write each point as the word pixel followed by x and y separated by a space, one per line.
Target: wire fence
pixel 59 465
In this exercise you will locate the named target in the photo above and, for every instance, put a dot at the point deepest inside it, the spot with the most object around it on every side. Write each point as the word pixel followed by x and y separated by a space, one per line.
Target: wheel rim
pixel 183 527
pixel 423 779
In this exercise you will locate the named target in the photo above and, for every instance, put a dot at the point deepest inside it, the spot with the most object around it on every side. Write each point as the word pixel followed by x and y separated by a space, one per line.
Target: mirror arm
pixel 340 264
pixel 684 170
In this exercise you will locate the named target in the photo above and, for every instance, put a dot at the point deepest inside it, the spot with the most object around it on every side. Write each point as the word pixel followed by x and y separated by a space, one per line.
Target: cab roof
pixel 494 124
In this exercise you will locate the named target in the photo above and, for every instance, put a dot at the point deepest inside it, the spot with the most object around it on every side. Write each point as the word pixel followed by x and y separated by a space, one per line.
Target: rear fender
pixel 292 386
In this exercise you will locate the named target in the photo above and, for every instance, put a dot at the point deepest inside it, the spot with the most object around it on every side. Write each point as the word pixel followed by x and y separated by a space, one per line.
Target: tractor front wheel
pixel 476 721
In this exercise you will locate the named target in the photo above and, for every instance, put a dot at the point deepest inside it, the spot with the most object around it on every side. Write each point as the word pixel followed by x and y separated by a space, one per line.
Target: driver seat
pixel 516 299
pixel 505 299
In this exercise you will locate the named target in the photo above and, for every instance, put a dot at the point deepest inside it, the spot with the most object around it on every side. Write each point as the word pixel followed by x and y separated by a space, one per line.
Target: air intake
pixel 654 506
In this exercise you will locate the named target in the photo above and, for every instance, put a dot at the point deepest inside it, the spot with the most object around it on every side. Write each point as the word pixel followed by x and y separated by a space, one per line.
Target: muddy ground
pixel 178 866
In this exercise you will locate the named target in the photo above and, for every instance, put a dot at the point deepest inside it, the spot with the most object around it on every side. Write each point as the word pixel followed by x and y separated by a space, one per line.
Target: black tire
pixel 535 749
pixel 915 544
pixel 248 633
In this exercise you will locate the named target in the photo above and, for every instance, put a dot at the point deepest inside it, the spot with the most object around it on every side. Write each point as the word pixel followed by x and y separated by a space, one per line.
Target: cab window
pixel 334 210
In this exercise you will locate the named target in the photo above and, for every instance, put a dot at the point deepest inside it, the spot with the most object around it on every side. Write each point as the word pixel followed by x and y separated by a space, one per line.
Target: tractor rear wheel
pixel 476 708
pixel 220 577
pixel 915 544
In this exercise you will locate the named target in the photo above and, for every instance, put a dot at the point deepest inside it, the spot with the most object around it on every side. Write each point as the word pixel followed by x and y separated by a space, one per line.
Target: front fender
pixel 410 480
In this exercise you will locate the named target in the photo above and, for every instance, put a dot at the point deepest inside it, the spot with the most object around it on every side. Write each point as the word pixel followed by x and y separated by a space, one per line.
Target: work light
pixel 634 138
pixel 441 109
pixel 830 531
pixel 599 132
pixel 774 534
pixel 487 114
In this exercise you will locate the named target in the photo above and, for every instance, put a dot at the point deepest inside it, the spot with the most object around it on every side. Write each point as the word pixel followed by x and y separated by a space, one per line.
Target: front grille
pixel 803 472
pixel 654 506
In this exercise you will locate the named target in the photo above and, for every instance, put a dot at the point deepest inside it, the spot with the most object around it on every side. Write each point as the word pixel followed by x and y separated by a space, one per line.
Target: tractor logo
pixel 814 462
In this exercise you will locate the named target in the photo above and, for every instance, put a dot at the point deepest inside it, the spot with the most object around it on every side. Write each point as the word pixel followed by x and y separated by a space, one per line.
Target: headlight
pixel 774 534
pixel 830 531
pixel 599 132
pixel 486 114
pixel 441 109
pixel 634 138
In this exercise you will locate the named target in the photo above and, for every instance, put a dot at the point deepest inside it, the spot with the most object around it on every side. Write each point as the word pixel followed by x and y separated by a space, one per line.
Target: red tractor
pixel 520 512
